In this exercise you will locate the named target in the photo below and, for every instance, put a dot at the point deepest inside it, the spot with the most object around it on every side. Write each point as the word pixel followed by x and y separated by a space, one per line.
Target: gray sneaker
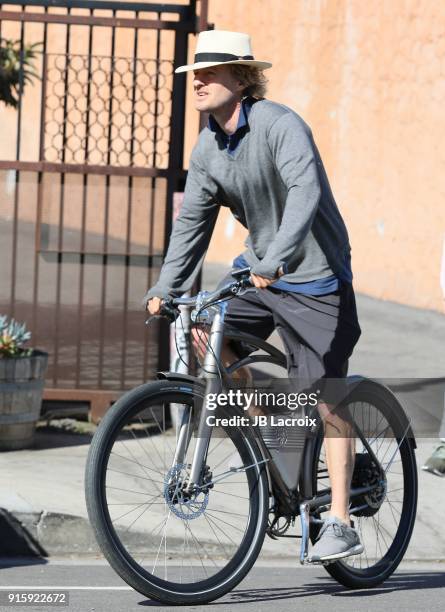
pixel 336 540
pixel 436 463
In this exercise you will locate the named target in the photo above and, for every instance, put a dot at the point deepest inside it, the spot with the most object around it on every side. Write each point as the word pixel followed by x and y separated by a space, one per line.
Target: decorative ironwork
pixel 108 110
pixel 90 168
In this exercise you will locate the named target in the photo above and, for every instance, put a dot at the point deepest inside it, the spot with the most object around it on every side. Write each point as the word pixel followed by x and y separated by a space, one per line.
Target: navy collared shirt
pixel 231 141
pixel 319 286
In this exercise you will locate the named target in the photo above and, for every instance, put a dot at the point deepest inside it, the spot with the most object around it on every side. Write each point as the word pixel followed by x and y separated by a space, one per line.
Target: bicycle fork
pixel 213 385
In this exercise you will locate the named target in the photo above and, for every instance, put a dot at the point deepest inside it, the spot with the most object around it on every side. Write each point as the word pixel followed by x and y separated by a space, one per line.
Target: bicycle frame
pixel 300 500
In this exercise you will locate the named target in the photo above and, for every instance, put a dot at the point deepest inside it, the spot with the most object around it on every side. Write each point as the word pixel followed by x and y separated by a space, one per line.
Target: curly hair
pixel 253 78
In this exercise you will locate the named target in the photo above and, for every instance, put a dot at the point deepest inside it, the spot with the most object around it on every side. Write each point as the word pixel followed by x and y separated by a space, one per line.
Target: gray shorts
pixel 318 332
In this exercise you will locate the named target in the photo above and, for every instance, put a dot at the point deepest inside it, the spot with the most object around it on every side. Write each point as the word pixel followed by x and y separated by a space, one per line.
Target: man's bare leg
pixel 337 538
pixel 340 454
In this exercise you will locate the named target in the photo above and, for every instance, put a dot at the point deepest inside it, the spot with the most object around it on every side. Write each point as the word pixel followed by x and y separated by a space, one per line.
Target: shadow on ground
pixel 17 542
pixel 399 582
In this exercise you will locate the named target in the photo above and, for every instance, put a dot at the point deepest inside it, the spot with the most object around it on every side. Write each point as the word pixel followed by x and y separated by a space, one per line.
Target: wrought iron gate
pixel 89 164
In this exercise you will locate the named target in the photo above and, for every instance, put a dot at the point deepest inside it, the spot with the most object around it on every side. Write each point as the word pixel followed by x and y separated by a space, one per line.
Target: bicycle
pixel 181 527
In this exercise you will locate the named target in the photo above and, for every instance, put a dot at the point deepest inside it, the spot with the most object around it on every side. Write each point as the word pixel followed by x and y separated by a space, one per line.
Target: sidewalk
pixel 43 488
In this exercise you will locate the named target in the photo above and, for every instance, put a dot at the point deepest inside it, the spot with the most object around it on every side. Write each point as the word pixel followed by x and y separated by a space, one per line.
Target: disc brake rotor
pixel 184 504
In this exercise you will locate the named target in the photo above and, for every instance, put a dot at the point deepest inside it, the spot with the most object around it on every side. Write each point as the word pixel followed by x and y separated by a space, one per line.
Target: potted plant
pixel 22 373
pixel 13 60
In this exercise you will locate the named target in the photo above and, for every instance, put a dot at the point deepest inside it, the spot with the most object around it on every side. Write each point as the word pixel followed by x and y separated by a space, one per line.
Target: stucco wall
pixel 369 77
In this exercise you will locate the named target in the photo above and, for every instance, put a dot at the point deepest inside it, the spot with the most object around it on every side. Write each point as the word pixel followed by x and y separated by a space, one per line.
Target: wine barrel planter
pixel 21 389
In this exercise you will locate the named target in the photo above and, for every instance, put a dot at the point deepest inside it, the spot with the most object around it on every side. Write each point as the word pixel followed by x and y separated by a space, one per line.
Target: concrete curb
pixel 50 534
pixel 45 534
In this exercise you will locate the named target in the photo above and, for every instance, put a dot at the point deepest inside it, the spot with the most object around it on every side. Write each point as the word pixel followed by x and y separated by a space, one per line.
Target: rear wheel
pixel 169 545
pixel 384 518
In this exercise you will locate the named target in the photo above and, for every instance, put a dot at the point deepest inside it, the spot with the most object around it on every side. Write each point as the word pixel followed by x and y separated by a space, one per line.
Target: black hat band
pixel 220 57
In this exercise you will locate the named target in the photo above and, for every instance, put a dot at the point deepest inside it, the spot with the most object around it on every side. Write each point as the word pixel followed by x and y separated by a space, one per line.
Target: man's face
pixel 215 88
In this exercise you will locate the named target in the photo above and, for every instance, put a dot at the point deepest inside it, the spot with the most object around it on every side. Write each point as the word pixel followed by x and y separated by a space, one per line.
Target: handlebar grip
pixel 168 310
pixel 242 272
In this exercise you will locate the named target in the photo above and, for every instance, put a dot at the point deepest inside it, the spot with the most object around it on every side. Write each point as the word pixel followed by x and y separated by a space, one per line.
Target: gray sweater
pixel 276 186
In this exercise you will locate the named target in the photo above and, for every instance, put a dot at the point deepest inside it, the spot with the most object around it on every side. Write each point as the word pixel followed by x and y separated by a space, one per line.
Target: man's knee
pixel 335 415
pixel 200 339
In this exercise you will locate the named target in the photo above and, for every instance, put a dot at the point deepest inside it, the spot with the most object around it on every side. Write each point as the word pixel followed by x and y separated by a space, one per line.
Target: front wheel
pixel 170 545
pixel 384 518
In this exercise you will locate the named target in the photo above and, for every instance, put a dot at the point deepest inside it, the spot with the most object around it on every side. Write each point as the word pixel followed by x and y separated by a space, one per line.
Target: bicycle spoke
pixel 393 516
pixel 230 494
pixel 224 522
pixel 128 450
pixel 230 513
pixel 215 534
pixel 133 491
pixel 131 503
pixel 202 545
pixel 150 438
pixel 143 504
pixel 216 446
pixel 135 476
pixel 161 430
pixel 212 520
pixel 362 538
pixel 197 549
pixel 144 467
pixel 160 543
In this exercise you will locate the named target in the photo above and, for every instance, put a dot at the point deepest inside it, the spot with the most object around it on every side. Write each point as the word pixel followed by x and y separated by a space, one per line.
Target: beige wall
pixel 369 77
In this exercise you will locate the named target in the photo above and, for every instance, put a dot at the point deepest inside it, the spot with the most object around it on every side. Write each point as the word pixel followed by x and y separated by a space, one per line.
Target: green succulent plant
pixel 12 56
pixel 13 337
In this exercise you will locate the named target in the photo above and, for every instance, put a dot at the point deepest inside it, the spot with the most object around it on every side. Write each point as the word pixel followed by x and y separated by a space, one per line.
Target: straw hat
pixel 216 47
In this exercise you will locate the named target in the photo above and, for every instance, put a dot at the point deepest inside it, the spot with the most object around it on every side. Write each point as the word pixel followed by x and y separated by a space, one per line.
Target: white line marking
pixel 65 588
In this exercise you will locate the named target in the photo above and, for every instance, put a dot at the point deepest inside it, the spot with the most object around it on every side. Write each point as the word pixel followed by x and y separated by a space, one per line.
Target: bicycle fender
pixel 177 376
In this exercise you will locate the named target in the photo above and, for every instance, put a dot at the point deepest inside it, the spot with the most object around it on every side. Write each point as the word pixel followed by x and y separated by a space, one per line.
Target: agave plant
pixel 13 60
pixel 13 337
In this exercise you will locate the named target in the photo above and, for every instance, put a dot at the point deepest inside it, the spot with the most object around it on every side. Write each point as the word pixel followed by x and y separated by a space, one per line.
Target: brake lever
pixel 245 290
pixel 168 312
pixel 152 318
pixel 244 285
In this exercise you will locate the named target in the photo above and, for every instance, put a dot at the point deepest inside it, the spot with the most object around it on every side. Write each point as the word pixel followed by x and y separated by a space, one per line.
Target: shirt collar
pixel 246 106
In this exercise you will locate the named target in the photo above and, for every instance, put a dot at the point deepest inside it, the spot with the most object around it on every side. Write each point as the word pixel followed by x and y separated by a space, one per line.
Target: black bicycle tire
pixel 356 578
pixel 112 549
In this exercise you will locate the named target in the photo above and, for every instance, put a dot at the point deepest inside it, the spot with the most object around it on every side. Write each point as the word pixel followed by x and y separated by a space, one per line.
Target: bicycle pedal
pixel 318 563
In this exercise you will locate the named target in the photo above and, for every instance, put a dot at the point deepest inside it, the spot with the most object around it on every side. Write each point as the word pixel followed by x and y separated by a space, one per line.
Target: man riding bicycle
pixel 259 158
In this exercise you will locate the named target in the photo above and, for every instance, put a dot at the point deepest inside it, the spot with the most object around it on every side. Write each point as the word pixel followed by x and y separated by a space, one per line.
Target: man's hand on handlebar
pixel 261 282
pixel 154 306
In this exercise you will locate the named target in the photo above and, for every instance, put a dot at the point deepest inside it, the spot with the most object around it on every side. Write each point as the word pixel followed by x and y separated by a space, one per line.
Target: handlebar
pixel 170 306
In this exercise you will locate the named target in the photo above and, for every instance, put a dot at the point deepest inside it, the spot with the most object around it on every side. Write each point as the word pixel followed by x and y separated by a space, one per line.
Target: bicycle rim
pixel 384 520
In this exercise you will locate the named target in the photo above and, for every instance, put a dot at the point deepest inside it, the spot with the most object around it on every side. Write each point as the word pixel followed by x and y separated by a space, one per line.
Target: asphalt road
pixel 94 587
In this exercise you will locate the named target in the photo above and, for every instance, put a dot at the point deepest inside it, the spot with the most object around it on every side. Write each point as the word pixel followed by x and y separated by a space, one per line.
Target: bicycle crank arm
pixel 305 520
